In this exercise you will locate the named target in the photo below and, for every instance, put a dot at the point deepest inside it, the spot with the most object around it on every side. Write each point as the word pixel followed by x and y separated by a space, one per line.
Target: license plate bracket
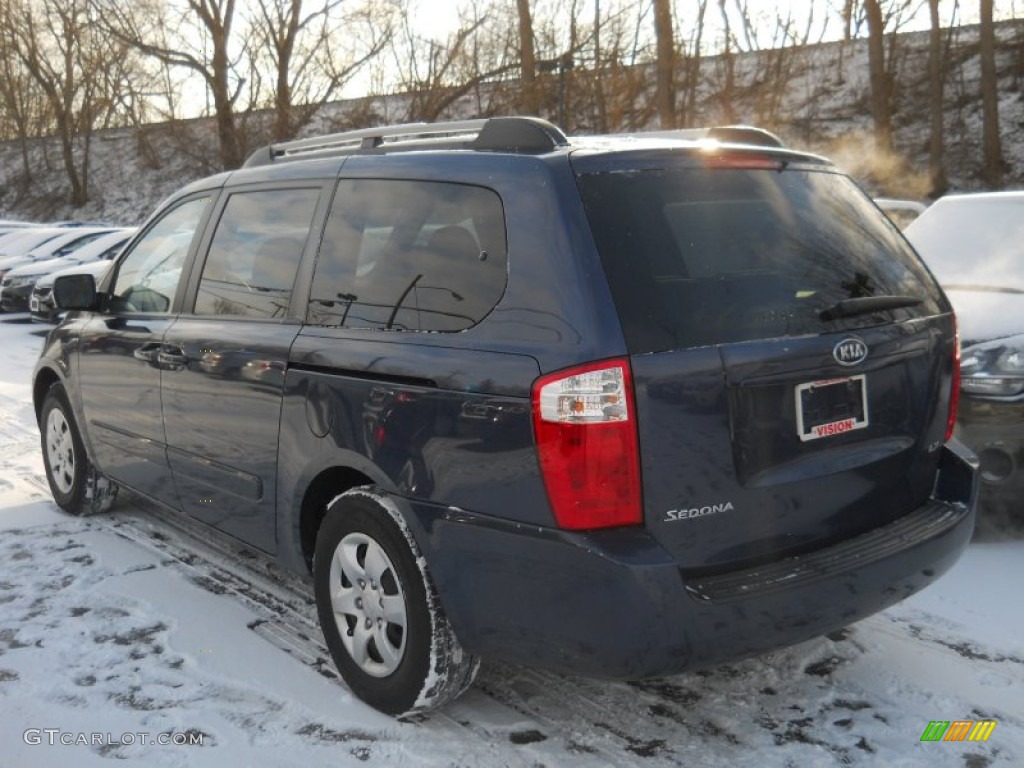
pixel 831 407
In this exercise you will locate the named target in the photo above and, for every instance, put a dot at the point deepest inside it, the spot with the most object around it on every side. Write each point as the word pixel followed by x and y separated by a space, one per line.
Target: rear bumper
pixel 614 604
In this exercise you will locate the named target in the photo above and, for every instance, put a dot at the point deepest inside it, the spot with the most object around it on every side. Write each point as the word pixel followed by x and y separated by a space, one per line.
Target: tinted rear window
pixel 699 256
pixel 255 253
pixel 410 256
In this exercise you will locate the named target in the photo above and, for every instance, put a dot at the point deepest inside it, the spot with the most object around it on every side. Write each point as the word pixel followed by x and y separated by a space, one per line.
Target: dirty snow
pixel 131 623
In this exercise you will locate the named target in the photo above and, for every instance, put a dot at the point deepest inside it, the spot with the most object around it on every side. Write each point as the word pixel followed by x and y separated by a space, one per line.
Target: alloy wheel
pixel 60 450
pixel 369 605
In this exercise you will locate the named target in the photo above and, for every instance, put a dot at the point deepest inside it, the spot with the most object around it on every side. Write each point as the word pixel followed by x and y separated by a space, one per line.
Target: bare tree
pixel 611 87
pixel 22 107
pixel 602 112
pixel 992 170
pixel 666 63
pixel 692 67
pixel 846 13
pixel 147 25
pixel 582 62
pixel 726 93
pixel 302 40
pixel 527 59
pixel 881 87
pixel 57 44
pixel 436 73
pixel 936 104
pixel 778 64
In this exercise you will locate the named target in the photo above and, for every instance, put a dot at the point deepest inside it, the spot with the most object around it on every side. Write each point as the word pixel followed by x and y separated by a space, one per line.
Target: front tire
pixel 379 611
pixel 76 486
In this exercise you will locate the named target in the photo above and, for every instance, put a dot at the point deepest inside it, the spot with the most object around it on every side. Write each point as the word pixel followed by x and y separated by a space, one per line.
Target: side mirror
pixel 75 292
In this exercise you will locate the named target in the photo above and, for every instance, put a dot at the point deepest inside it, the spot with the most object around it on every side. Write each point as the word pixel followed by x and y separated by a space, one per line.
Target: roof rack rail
pixel 503 134
pixel 731 134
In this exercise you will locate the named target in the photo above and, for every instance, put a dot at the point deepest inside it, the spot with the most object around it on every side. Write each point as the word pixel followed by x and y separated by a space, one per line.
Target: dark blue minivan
pixel 618 406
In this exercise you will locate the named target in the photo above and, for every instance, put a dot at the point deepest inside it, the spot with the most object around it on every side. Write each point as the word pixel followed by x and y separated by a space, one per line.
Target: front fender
pixel 58 363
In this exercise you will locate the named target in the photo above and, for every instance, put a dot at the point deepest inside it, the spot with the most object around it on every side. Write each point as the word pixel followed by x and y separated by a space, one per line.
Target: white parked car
pixel 16 282
pixel 65 243
pixel 975 246
pixel 14 245
pixel 901 212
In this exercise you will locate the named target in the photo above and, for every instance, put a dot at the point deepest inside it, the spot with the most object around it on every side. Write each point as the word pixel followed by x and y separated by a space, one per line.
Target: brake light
pixel 743 161
pixel 954 390
pixel 585 427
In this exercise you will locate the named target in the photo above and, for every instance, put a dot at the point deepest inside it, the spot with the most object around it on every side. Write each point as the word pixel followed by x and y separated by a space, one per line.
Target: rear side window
pixel 699 256
pixel 409 255
pixel 255 253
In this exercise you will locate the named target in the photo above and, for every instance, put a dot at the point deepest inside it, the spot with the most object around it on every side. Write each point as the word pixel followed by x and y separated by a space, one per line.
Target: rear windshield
pixel 698 256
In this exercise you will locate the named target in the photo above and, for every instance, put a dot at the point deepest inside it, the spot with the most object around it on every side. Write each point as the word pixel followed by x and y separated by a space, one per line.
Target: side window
pixel 74 245
pixel 255 253
pixel 409 255
pixel 147 278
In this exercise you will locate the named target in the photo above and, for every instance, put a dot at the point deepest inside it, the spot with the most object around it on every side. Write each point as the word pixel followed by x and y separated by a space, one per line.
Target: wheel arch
pixel 324 487
pixel 440 669
pixel 44 379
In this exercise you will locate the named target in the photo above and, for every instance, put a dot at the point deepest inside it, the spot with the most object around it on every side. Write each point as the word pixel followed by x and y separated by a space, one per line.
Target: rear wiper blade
pixel 866 305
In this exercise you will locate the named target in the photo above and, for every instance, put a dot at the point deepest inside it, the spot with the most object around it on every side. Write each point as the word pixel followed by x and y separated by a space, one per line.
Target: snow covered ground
pixel 127 629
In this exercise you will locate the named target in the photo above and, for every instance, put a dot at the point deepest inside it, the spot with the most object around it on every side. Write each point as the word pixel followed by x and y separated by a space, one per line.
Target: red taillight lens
pixel 584 421
pixel 743 161
pixel 954 390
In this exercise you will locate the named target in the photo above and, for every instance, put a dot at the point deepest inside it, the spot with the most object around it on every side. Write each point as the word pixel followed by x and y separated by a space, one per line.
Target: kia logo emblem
pixel 850 351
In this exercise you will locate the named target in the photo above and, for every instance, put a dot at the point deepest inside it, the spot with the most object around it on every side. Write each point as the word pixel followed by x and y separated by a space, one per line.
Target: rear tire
pixel 379 611
pixel 76 486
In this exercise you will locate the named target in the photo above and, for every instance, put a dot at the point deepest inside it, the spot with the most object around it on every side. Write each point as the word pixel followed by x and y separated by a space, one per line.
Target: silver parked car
pixel 93 259
pixel 18 275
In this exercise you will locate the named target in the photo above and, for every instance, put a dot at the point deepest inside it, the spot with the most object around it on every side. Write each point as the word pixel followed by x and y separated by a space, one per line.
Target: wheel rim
pixel 368 605
pixel 60 450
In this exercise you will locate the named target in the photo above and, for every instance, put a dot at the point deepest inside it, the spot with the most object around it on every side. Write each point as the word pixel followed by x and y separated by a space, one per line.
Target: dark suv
pixel 615 406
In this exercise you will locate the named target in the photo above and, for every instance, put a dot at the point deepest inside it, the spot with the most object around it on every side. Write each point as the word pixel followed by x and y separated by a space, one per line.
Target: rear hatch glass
pixel 697 255
pixel 741 284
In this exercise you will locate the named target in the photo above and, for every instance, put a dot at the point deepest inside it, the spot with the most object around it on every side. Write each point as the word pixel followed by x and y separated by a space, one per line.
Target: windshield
pixel 698 256
pixel 973 242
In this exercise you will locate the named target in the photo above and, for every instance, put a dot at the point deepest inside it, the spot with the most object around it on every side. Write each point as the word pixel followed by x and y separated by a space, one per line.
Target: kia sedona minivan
pixel 615 406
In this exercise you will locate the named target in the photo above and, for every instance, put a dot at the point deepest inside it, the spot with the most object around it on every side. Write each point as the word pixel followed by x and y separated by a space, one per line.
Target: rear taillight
pixel 954 390
pixel 584 421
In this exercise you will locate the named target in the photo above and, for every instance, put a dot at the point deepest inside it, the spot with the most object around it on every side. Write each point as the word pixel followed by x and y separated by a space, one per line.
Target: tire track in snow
pixel 284 605
pixel 492 712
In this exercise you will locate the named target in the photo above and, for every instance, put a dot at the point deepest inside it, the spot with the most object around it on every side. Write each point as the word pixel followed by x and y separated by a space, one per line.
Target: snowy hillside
pixel 816 98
